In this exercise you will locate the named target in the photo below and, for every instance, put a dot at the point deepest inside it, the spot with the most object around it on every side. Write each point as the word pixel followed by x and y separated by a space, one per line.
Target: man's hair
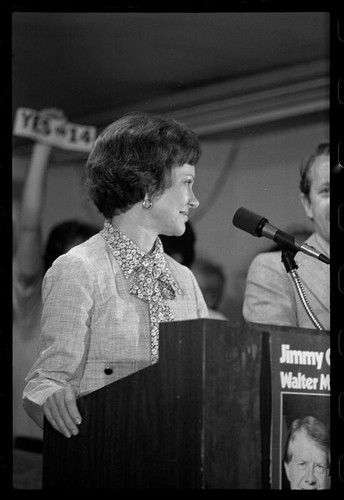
pixel 306 165
pixel 315 429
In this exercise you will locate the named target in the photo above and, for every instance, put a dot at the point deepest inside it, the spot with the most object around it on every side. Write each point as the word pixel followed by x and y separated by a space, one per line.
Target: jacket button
pixel 108 370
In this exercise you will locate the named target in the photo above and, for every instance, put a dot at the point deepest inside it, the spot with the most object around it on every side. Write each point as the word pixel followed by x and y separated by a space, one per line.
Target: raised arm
pixel 29 251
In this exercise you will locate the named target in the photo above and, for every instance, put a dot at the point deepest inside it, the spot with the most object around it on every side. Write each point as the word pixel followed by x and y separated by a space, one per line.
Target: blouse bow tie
pixel 152 280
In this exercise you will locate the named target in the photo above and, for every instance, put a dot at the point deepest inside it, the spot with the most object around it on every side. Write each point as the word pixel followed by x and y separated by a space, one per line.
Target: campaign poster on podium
pixel 300 410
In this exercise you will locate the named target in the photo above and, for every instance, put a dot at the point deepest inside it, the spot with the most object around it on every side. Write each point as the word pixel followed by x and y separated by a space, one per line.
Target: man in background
pixel 271 296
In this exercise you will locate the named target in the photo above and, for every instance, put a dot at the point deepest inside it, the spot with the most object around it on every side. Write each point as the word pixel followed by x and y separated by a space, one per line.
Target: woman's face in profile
pixel 171 210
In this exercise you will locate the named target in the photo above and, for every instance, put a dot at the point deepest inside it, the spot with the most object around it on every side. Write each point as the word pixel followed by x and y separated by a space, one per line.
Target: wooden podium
pixel 200 418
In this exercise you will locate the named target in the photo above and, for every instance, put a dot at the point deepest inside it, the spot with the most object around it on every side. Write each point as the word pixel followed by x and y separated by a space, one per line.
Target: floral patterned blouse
pixel 153 282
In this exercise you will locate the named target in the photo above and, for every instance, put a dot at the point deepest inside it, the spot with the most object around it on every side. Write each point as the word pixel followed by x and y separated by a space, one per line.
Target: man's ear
pixel 286 468
pixel 306 205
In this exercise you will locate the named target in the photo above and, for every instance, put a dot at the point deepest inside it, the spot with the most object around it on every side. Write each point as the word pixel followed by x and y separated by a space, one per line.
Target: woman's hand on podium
pixel 62 412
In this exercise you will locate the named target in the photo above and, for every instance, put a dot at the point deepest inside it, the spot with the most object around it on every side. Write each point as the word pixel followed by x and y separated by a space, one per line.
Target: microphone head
pixel 249 221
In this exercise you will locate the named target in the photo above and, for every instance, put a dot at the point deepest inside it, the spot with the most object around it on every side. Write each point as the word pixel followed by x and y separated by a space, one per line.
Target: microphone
pixel 259 226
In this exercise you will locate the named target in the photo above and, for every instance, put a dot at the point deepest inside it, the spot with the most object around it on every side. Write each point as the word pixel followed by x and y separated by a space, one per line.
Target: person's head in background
pixel 65 236
pixel 315 189
pixel 181 248
pixel 211 279
pixel 307 455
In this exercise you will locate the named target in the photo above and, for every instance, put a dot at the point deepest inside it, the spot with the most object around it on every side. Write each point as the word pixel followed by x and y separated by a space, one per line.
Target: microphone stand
pixel 291 268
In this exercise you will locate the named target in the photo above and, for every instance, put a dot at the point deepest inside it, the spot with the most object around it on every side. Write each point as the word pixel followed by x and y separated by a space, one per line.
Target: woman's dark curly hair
pixel 306 165
pixel 133 157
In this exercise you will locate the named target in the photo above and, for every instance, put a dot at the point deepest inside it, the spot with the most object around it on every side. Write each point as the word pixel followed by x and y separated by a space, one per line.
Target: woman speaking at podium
pixel 103 300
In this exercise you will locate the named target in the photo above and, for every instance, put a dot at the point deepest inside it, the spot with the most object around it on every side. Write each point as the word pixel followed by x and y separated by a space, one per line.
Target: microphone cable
pixel 287 258
pixel 301 292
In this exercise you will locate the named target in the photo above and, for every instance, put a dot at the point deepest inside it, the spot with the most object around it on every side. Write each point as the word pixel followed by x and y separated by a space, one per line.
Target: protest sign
pixel 57 132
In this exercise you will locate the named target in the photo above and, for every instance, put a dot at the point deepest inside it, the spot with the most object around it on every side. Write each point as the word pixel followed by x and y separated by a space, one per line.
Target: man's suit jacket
pixel 271 296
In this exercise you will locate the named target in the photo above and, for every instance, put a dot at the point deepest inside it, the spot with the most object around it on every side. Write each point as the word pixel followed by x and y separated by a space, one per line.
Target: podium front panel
pixel 198 419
